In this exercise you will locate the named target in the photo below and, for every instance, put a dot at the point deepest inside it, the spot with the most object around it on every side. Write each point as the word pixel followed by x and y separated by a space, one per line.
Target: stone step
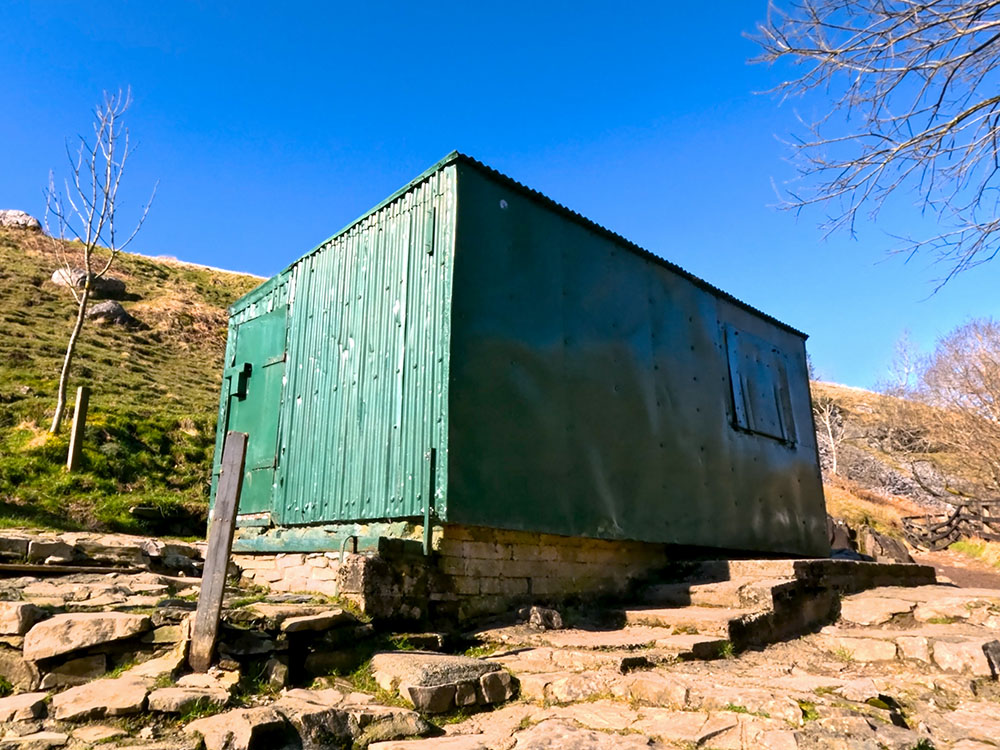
pixel 951 648
pixel 737 593
pixel 847 575
pixel 691 620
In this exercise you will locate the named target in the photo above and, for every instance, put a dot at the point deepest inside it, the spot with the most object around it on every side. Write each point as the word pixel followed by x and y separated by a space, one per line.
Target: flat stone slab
pixel 873 610
pixel 696 620
pixel 456 742
pixel 34 741
pixel 269 616
pixel 426 668
pixel 560 733
pixel 100 698
pixel 22 707
pixel 64 634
pixel 331 618
pixel 175 700
pixel 636 636
pixel 95 733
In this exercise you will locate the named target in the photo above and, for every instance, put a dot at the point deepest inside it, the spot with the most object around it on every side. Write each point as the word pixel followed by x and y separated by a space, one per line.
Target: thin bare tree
pixel 830 426
pixel 962 379
pixel 86 210
pixel 915 108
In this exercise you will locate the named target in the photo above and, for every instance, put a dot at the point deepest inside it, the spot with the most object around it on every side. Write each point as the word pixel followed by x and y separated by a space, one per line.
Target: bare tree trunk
pixel 833 446
pixel 68 359
pixel 89 215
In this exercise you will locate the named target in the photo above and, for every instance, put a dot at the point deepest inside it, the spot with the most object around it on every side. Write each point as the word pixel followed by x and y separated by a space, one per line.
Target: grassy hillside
pixel 150 432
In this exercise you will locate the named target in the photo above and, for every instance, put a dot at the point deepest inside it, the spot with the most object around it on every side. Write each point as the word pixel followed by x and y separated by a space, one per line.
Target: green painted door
pixel 255 388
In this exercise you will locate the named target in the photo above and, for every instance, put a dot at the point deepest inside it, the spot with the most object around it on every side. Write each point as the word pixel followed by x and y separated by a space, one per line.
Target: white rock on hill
pixel 15 219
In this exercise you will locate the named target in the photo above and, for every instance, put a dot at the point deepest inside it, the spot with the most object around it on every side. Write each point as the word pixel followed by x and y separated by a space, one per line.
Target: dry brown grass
pixel 858 505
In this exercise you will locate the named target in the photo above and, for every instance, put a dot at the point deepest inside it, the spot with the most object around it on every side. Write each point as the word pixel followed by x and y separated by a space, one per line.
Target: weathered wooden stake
pixel 220 544
pixel 79 422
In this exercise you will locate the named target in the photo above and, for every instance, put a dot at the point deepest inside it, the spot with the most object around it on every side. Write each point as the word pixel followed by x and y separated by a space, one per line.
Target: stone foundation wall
pixel 488 570
pixel 292 571
pixel 473 571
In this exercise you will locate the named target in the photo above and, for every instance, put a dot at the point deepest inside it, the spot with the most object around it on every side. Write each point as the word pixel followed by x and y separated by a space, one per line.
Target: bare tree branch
pixel 915 110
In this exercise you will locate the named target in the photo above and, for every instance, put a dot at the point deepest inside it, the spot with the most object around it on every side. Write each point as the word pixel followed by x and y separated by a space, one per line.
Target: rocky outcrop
pixel 104 286
pixel 14 219
pixel 110 311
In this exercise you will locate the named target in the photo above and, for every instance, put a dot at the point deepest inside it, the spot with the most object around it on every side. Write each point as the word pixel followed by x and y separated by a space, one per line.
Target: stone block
pixel 50 552
pixel 469 585
pixel 18 671
pixel 496 687
pixel 241 729
pixel 265 576
pixel 321 621
pixel 75 672
pixel 16 618
pixel 915 647
pixel 430 699
pixel 465 694
pixel 13 547
pixel 962 656
pixel 863 649
pixel 22 707
pixel 324 574
pixel 289 559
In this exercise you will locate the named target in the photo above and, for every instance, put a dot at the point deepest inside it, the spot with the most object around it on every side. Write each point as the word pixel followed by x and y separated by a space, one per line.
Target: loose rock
pixel 111 312
pixel 16 618
pixel 23 707
pixel 64 634
pixel 105 286
pixel 11 218
pixel 243 729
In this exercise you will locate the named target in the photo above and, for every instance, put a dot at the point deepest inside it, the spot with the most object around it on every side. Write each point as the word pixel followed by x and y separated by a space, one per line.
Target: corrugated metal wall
pixel 566 380
pixel 591 392
pixel 366 388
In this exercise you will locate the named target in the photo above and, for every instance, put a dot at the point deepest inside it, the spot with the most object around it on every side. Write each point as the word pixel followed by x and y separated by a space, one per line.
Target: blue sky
pixel 270 126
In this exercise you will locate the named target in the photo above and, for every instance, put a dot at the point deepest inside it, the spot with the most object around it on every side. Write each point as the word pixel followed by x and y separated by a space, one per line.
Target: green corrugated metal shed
pixel 473 350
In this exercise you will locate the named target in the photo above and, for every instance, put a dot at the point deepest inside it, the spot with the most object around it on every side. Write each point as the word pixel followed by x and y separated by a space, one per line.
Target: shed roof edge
pixel 458 157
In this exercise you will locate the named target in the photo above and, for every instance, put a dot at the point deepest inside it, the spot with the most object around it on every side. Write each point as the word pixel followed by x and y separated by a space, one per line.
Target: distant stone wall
pixel 474 571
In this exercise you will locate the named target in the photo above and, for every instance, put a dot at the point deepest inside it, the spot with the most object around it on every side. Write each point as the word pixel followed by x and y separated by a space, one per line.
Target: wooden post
pixel 220 544
pixel 79 422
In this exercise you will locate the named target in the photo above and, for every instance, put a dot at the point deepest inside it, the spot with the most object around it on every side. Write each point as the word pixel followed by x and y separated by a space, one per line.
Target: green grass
pixel 5 687
pixel 978 549
pixel 480 651
pixel 727 650
pixel 363 681
pixel 151 426
pixel 809 712
pixel 744 710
